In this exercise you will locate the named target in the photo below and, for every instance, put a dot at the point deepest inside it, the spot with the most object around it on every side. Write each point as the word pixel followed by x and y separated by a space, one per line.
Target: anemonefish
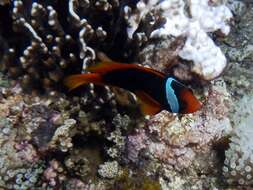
pixel 154 89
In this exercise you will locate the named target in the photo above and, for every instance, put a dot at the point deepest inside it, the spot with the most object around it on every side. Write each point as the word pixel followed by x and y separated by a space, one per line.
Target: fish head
pixel 180 98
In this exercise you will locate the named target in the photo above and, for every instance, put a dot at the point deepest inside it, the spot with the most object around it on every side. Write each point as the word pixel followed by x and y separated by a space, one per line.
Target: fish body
pixel 155 90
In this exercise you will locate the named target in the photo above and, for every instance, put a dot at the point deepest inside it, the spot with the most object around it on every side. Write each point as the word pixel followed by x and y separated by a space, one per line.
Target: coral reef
pixel 34 130
pixel 96 138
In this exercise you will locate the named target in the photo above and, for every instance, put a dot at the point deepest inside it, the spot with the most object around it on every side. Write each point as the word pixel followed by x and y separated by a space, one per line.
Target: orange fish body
pixel 155 90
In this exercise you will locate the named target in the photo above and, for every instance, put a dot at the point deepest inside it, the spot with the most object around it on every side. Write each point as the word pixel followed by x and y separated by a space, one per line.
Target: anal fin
pixel 148 105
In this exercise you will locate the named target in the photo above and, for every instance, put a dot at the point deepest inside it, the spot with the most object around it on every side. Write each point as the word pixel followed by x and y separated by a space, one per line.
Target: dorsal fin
pixel 107 66
pixel 148 105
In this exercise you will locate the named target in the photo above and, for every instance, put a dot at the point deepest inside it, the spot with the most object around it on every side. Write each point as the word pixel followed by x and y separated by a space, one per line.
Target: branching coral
pixel 45 58
pixel 51 44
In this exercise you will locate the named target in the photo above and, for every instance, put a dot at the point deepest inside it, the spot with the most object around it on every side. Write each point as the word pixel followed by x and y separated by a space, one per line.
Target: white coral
pixel 210 18
pixel 109 170
pixel 208 59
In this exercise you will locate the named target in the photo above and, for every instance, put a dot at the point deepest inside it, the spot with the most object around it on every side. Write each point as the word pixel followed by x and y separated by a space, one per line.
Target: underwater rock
pixel 27 152
pixel 181 138
pixel 163 55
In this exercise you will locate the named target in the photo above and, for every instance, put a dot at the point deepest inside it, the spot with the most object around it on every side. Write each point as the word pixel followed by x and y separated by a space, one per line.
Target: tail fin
pixel 75 81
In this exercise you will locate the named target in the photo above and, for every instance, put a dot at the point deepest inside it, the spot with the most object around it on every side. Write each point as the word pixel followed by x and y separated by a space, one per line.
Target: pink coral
pixel 135 143
pixel 54 173
pixel 27 152
pixel 176 141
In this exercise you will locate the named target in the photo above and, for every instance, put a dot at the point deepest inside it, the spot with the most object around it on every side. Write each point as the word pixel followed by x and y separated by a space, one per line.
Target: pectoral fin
pixel 149 106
